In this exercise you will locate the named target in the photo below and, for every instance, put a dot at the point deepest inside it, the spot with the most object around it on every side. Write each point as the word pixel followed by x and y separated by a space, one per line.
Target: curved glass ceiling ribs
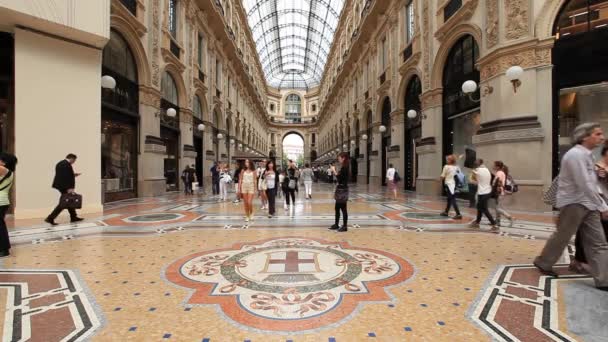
pixel 293 38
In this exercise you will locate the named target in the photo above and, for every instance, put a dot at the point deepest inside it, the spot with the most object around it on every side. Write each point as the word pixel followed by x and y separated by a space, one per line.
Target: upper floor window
pixel 272 107
pixel 198 108
pixel 384 54
pixel 314 107
pixel 200 50
pixel 218 73
pixel 168 88
pixel 293 108
pixel 173 18
pixel 409 22
pixel 580 16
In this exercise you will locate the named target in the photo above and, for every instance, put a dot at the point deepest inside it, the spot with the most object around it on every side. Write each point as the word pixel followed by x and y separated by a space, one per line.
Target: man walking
pixel 64 182
pixel 483 178
pixel 580 207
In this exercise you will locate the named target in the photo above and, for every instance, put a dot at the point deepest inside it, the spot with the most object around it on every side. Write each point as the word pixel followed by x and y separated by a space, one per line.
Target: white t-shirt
pixel 390 174
pixel 448 173
pixel 484 179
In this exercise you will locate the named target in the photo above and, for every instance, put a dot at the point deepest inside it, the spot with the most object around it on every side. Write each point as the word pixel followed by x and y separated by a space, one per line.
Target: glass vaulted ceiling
pixel 293 38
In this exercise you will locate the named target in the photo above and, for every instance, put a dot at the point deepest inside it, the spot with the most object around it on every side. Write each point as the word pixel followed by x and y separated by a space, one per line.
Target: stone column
pixel 151 178
pixel 187 151
pixel 376 156
pixel 429 149
pixel 397 157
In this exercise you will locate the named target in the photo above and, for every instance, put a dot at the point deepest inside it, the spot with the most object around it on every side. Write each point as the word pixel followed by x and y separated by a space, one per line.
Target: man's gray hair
pixel 584 130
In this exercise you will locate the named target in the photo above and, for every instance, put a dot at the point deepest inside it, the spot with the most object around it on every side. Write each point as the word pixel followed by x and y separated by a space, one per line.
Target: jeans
pixel 341 207
pixel 482 208
pixel 188 188
pixel 59 208
pixel 472 194
pixel 223 192
pixel 5 243
pixel 215 186
pixel 271 194
pixel 308 187
pixel 451 201
pixel 290 193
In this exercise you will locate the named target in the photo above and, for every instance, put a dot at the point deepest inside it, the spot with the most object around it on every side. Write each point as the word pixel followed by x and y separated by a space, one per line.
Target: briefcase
pixel 71 201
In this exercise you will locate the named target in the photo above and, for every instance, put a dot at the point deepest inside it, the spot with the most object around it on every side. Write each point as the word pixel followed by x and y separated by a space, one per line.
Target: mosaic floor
pixel 178 268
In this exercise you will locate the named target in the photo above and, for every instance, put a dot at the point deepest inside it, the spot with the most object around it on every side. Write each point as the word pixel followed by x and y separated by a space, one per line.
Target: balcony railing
pixel 174 49
pixel 408 52
pixel 451 8
pixel 383 78
pixel 131 5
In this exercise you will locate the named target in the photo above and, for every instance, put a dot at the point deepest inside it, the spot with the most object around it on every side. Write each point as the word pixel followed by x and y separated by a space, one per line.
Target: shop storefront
pixel 119 122
pixel 412 132
pixel 170 131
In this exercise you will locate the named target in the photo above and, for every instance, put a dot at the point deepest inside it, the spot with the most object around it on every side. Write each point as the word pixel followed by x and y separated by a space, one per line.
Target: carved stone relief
pixel 517 18
pixel 426 44
pixel 155 37
pixel 532 57
pixel 492 26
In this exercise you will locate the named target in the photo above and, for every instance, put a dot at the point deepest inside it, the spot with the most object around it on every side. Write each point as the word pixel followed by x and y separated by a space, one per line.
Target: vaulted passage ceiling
pixel 293 38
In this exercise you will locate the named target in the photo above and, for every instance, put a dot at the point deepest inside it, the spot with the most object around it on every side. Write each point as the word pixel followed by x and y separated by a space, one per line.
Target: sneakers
pixel 334 227
pixel 444 214
pixel 76 219
pixel 342 229
pixel 269 216
pixel 457 217
pixel 474 225
pixel 49 221
pixel 246 218
pixel 495 228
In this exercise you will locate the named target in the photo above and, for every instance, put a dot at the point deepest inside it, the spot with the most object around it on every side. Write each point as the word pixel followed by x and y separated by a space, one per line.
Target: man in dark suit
pixel 64 182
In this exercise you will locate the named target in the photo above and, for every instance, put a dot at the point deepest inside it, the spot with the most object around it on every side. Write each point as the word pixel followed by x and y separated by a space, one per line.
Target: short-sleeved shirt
pixel 448 173
pixel 484 180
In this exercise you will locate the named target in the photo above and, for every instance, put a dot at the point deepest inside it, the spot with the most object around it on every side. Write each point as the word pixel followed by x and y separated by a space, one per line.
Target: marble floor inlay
pixel 188 268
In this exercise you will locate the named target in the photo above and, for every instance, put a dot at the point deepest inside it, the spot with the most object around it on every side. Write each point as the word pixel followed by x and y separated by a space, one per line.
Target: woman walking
pixel 290 184
pixel 270 178
pixel 7 169
pixel 341 193
pixel 262 192
pixel 501 173
pixel 247 186
pixel 449 176
pixel 307 176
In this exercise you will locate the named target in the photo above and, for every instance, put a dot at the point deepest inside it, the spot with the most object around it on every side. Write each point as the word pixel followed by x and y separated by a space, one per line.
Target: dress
pixel 247 183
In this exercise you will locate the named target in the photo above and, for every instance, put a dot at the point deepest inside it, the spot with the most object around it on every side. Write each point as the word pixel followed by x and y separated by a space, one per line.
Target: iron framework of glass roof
pixel 293 38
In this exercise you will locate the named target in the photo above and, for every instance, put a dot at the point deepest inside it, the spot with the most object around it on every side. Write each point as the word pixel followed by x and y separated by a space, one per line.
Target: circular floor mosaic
pixel 287 283
pixel 161 217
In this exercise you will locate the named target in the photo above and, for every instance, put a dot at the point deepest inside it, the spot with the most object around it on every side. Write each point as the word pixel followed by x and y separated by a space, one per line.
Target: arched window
pixel 580 16
pixel 173 18
pixel 460 67
pixel 118 58
pixel 293 108
pixel 169 88
pixel 412 100
pixel 198 108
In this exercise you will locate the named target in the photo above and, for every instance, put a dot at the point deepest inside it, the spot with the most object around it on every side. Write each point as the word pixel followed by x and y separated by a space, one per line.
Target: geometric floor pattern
pixel 177 268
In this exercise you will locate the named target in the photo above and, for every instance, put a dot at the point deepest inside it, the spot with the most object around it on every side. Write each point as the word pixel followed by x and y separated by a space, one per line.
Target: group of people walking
pixel 268 183
pixel 488 185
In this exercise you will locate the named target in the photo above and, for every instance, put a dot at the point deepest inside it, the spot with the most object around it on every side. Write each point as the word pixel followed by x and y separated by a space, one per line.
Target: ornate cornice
pixel 528 54
pixel 149 96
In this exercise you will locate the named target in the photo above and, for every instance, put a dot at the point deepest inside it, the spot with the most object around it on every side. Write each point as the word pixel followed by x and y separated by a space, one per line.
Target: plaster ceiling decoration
pixel 293 38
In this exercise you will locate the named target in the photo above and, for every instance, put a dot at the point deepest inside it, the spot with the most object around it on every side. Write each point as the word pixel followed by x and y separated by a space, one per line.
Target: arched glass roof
pixel 293 38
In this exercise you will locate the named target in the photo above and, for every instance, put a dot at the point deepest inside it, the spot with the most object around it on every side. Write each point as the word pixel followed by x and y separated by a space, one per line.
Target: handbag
pixel 341 194
pixel 550 196
pixel 71 201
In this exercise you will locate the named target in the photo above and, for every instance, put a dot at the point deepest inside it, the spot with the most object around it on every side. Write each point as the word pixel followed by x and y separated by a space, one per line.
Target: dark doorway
pixel 386 137
pixel 413 132
pixel 7 91
pixel 198 162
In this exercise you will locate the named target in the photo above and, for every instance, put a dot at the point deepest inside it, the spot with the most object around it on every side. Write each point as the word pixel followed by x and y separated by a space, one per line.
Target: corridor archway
pixel 293 148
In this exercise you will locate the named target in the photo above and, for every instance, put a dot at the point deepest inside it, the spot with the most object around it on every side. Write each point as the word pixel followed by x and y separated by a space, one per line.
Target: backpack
pixel 459 179
pixel 510 185
pixel 396 177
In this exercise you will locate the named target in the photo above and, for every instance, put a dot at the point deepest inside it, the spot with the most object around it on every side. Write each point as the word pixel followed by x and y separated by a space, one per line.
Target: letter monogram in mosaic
pixel 287 284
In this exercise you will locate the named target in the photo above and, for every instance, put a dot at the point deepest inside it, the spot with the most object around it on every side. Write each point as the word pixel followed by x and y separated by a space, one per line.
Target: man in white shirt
pixel 483 178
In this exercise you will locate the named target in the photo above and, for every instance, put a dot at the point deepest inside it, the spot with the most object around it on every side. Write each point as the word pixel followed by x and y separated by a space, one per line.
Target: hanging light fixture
pixel 201 127
pixel 382 128
pixel 108 82
pixel 171 112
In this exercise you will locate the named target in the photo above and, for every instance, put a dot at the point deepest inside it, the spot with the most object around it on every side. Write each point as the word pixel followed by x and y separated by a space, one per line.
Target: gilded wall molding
pixel 527 55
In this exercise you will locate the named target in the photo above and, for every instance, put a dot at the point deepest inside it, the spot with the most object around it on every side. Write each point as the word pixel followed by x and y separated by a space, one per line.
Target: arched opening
pixel 293 148
pixel 461 115
pixel 228 138
pixel 119 121
pixel 386 137
pixel 197 137
pixel 412 132
pixel 580 71
pixel 293 109
pixel 368 148
pixel 169 130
